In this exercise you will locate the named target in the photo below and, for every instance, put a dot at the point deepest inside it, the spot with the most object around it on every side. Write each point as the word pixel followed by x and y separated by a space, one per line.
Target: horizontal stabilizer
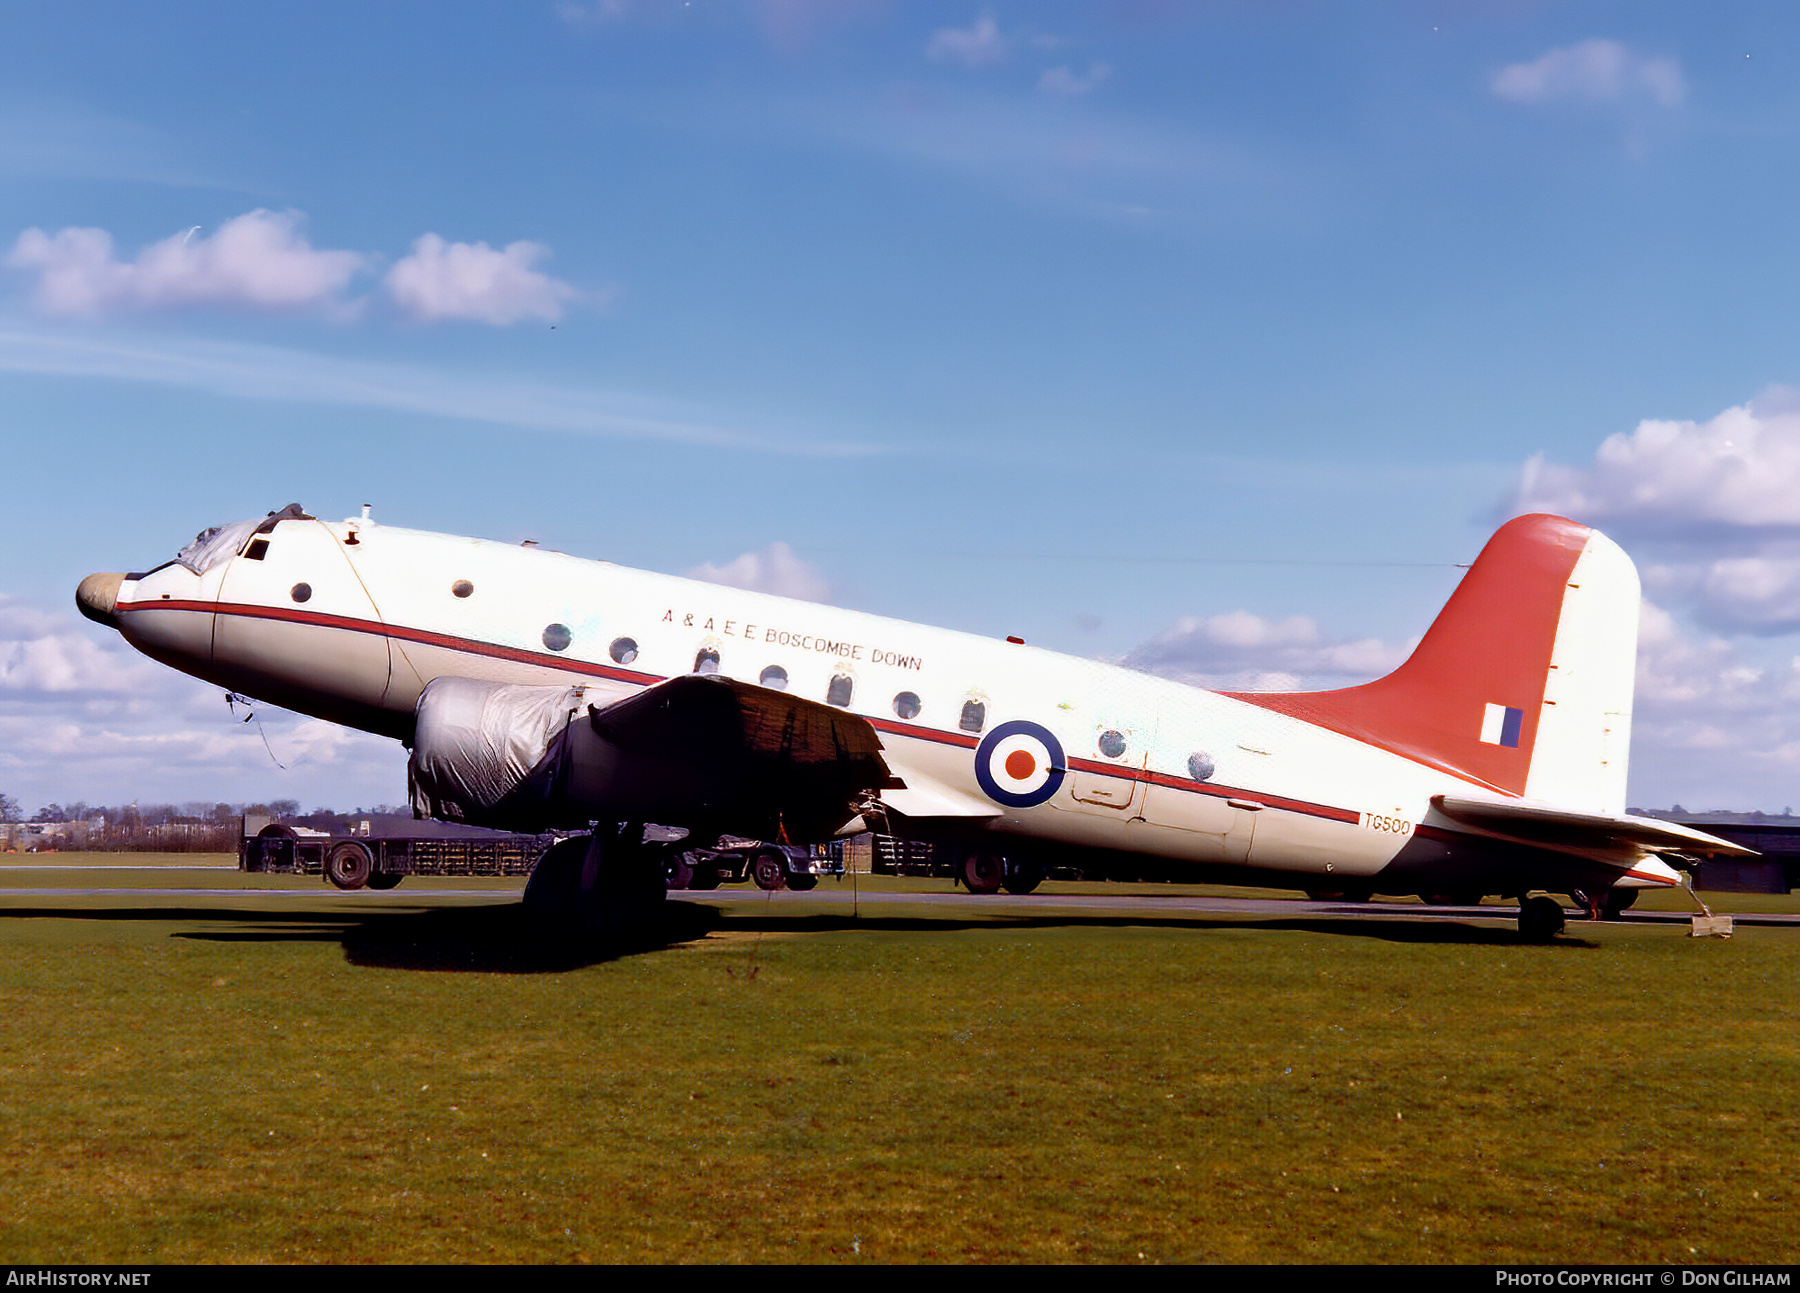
pixel 1558 828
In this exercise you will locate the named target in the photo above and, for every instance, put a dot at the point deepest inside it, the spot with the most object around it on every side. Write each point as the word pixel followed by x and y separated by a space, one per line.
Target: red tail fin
pixel 1472 698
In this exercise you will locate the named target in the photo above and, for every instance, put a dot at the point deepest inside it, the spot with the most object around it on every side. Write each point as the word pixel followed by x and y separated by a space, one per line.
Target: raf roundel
pixel 1019 764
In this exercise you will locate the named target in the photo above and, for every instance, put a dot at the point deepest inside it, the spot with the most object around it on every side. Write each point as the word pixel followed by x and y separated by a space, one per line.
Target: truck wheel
pixel 983 872
pixel 803 882
pixel 770 870
pixel 349 866
pixel 385 880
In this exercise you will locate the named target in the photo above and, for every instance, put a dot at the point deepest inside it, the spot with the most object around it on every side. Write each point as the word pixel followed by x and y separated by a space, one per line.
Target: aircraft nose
pixel 97 596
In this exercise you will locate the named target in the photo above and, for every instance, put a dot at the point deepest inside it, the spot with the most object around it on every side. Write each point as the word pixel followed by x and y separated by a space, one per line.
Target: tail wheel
pixel 983 872
pixel 1620 900
pixel 349 866
pixel 769 870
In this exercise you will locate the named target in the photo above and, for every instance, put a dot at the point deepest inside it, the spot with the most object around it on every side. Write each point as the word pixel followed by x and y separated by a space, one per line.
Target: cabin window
pixel 974 716
pixel 906 705
pixel 557 637
pixel 301 592
pixel 258 549
pixel 774 676
pixel 622 650
pixel 461 588
pixel 1200 766
pixel 706 660
pixel 839 692
pixel 1112 744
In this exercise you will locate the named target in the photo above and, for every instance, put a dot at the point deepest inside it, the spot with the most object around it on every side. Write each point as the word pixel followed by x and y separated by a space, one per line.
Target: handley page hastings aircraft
pixel 538 691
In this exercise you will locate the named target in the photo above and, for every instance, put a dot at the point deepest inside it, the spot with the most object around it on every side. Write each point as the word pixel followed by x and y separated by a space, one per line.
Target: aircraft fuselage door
pixel 1108 778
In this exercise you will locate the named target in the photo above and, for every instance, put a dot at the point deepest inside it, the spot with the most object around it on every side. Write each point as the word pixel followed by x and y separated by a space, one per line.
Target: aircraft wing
pixel 1593 834
pixel 926 796
pixel 741 751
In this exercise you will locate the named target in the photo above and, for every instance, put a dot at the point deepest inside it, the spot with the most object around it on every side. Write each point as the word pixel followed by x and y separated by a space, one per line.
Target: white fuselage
pixel 350 620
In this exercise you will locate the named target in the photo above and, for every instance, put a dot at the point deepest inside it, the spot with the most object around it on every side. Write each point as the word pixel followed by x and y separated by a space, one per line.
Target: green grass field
pixel 247 1075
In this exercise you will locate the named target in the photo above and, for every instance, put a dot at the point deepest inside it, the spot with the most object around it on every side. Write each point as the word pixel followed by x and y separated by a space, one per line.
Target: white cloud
pixel 461 280
pixel 1718 501
pixel 773 570
pixel 259 260
pixel 1063 81
pixel 975 46
pixel 1239 651
pixel 1739 471
pixel 1602 71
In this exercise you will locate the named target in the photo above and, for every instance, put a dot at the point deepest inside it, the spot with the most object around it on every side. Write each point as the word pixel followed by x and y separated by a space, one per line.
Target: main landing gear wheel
pixel 983 872
pixel 609 882
pixel 1540 919
pixel 769 870
pixel 349 866
pixel 1022 877
pixel 680 872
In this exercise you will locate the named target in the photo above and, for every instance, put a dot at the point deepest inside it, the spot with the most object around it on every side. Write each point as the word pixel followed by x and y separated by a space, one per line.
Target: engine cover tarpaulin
pixel 477 742
pixel 696 751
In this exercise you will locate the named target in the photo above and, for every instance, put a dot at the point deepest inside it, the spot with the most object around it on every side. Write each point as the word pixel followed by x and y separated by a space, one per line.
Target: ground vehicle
pixel 772 866
pixel 978 871
pixel 383 861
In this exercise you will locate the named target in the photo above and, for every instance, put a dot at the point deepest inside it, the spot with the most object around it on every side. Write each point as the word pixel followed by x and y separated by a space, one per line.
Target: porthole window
pixel 906 705
pixel 706 660
pixel 839 692
pixel 1200 766
pixel 974 716
pixel 1112 744
pixel 622 650
pixel 774 676
pixel 461 588
pixel 301 592
pixel 557 637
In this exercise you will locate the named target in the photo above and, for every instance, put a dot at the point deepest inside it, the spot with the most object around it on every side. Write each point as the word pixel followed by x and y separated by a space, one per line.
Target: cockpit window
pixel 222 542
pixel 219 543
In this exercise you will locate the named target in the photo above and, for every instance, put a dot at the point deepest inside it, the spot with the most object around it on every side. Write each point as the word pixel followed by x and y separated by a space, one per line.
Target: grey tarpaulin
pixel 476 742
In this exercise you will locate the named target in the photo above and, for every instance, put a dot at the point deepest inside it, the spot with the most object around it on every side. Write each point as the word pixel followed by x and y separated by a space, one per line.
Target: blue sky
pixel 1212 335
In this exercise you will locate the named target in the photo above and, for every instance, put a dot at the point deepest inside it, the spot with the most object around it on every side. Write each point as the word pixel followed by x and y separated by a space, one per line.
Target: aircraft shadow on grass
pixel 505 939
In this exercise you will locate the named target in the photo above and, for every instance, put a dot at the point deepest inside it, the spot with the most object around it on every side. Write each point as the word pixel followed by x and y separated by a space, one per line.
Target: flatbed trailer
pixel 381 862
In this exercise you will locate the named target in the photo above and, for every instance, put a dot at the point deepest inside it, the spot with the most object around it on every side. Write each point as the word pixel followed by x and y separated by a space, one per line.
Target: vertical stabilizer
pixel 1523 682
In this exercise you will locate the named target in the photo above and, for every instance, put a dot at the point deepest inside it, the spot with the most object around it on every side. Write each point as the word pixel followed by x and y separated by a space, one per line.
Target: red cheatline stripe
pixel 296 615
